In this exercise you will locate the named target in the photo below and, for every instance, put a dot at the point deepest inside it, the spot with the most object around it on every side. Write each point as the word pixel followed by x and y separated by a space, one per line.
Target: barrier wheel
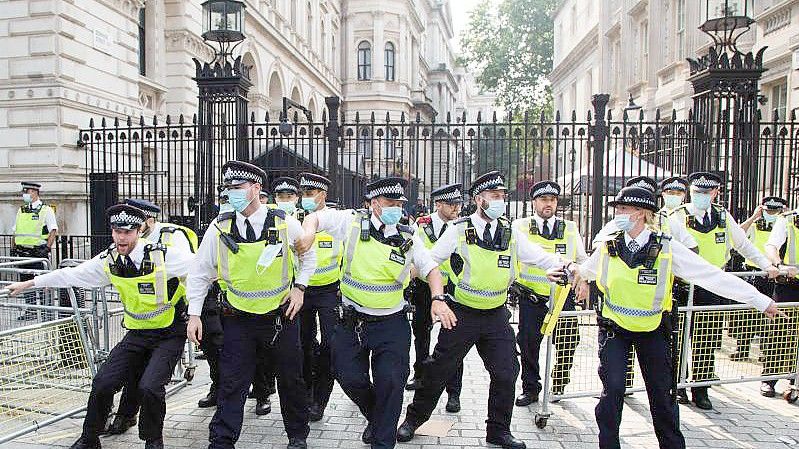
pixel 189 374
pixel 791 396
pixel 540 421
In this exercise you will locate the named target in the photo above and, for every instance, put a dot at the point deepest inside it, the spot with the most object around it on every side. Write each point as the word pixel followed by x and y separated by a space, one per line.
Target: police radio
pixel 406 246
pixel 365 228
pixel 534 227
pixel 271 236
pixel 504 239
pixel 471 235
pixel 654 251
pixel 561 229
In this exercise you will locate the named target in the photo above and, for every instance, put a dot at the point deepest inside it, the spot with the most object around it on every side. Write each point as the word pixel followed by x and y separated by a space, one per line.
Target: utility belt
pixel 613 328
pixel 524 293
pixel 454 305
pixel 316 289
pixel 228 310
pixel 348 315
pixel 41 251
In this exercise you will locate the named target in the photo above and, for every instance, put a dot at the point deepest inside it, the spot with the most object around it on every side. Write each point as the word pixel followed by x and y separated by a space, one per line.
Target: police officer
pixel 251 255
pixel 779 342
pixel 146 275
pixel 321 300
pixel 373 330
pixel 448 200
pixel 489 250
pixel 716 233
pixel 35 231
pixel 672 191
pixel 634 271
pixel 744 324
pixel 557 236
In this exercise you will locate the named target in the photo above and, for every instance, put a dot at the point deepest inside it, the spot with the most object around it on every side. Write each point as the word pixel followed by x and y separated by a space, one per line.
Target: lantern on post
pixel 725 21
pixel 223 23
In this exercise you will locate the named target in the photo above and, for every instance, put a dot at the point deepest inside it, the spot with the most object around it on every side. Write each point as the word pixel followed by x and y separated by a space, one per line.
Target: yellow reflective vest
pixel 31 229
pixel 563 244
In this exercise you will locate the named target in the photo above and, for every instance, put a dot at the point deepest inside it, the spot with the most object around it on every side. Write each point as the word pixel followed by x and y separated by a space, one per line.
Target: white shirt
pixel 527 252
pixel 523 230
pixel 779 234
pixel 740 242
pixel 689 266
pixel 49 218
pixel 92 273
pixel 204 270
pixel 179 239
pixel 677 230
pixel 438 223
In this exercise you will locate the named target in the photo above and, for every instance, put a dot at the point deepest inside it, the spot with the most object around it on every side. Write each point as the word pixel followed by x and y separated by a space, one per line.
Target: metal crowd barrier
pixel 48 359
pixel 708 337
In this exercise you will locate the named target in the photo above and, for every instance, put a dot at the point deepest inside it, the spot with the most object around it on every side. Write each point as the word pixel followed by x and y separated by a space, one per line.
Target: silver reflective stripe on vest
pixel 390 288
pixel 354 236
pixel 660 291
pixel 466 278
pixel 791 250
pixel 333 265
pixel 258 294
pixel 533 278
pixel 162 309
pixel 483 293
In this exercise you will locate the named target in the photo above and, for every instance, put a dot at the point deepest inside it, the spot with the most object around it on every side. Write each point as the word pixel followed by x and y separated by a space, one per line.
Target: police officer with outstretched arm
pixel 634 270
pixel 147 277
pixel 373 330
pixel 251 255
pixel 477 316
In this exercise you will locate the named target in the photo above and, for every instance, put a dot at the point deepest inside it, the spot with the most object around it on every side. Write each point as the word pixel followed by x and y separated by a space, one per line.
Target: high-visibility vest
pixel 635 298
pixel 487 273
pixel 145 298
pixel 792 230
pixel 564 244
pixel 167 234
pixel 758 234
pixel 374 273
pixel 714 245
pixel 427 234
pixel 31 228
pixel 245 288
pixel 329 254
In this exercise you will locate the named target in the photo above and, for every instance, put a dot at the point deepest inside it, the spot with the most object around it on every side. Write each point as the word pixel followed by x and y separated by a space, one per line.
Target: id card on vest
pixel 648 276
pixel 721 237
pixel 560 248
pixel 146 288
pixel 325 244
pixel 396 257
pixel 503 261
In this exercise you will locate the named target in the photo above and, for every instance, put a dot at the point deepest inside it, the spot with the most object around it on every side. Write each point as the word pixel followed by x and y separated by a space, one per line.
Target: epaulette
pixel 405 229
pixel 791 213
pixel 460 220
pixel 225 216
pixel 157 246
pixel 108 250
pixel 427 219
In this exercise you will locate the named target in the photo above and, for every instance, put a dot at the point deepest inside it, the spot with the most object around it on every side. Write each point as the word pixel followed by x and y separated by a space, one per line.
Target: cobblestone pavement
pixel 742 419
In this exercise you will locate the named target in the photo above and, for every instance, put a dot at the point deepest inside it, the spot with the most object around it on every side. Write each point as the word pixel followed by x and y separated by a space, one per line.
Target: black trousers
pixel 779 344
pixel 745 324
pixel 385 347
pixel 213 336
pixel 320 303
pixel 532 311
pixel 151 356
pixel 706 332
pixel 491 332
pixel 38 252
pixel 422 324
pixel 654 358
pixel 263 382
pixel 237 365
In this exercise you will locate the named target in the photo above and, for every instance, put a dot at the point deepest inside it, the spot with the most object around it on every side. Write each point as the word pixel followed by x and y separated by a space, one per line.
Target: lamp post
pixel 725 21
pixel 223 23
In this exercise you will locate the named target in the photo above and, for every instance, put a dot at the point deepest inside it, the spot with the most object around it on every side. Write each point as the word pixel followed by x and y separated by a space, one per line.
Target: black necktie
pixel 487 234
pixel 706 220
pixel 545 231
pixel 130 267
pixel 249 230
pixel 441 232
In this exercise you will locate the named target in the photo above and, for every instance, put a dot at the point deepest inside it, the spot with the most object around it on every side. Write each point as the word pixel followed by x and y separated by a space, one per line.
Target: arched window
pixel 389 61
pixel 364 61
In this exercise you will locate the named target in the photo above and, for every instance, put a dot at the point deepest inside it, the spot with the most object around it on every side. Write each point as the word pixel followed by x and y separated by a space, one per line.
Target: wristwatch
pixel 300 286
pixel 441 298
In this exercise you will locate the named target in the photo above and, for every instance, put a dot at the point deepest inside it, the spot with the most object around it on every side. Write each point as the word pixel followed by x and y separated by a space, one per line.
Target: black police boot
pixel 414 384
pixel 406 431
pixel 682 396
pixel 701 399
pixel 297 443
pixel 367 436
pixel 526 398
pixel 453 403
pixel 157 443
pixel 767 390
pixel 209 400
pixel 506 440
pixel 121 424
pixel 315 412
pixel 85 443
pixel 263 407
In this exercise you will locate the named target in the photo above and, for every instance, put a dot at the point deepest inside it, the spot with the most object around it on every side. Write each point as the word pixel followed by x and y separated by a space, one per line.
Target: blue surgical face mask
pixel 672 201
pixel 701 201
pixel 26 197
pixel 390 215
pixel 495 209
pixel 288 207
pixel 623 222
pixel 238 199
pixel 770 218
pixel 309 204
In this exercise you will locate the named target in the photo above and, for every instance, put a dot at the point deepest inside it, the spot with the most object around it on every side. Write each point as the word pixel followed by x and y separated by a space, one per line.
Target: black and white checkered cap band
pixel 285 186
pixel 636 200
pixel 674 185
pixel 705 183
pixel 395 189
pixel 453 195
pixel 232 174
pixel 643 184
pixel 774 204
pixel 489 184
pixel 150 213
pixel 312 184
pixel 123 218
pixel 548 189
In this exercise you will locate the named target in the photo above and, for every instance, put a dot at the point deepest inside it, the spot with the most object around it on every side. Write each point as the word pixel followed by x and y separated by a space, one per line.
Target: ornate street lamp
pixel 725 21
pixel 223 23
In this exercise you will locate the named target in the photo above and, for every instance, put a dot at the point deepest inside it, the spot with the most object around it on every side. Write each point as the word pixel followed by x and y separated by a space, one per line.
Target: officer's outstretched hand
pixel 440 311
pixel 556 274
pixel 194 330
pixel 18 287
pixel 773 312
pixel 295 299
pixel 773 272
